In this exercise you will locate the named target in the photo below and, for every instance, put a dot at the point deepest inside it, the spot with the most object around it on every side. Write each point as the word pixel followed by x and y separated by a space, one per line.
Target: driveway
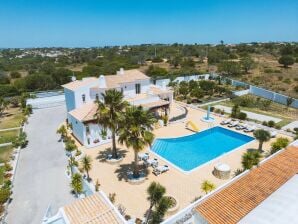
pixel 40 178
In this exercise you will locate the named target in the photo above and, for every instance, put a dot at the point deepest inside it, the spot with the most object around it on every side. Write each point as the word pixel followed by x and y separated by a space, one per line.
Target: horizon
pixel 75 24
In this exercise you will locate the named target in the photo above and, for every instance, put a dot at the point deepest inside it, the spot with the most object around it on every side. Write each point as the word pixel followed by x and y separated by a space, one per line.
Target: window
pixel 84 98
pixel 122 90
pixel 96 97
pixel 138 88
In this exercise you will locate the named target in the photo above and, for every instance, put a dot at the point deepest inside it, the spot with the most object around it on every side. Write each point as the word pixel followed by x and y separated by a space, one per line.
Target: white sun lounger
pixel 241 126
pixel 273 134
pixel 249 129
pixel 233 124
pixel 160 169
pixel 143 156
pixel 226 122
pixel 151 162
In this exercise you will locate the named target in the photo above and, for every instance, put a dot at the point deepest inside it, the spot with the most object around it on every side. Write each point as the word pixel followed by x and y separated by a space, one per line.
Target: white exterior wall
pixel 94 136
pixel 129 89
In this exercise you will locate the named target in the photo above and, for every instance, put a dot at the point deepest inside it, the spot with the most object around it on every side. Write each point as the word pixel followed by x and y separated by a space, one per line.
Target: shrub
pixel 277 126
pixel 271 124
pixel 7 167
pixel 242 116
pixel 15 75
pixel 265 123
pixel 4 194
pixel 20 141
pixel 212 109
pixel 279 144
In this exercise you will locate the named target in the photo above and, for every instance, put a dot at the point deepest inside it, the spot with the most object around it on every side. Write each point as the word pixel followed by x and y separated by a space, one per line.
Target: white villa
pixel 80 96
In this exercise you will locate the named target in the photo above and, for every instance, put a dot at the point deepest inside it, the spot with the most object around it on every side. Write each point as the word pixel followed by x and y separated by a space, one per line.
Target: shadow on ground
pixel 124 170
pixel 102 155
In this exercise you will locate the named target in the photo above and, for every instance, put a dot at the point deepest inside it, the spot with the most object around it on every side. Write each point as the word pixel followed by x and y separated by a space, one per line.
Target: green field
pixel 5 153
pixel 12 120
pixel 2 171
pixel 8 136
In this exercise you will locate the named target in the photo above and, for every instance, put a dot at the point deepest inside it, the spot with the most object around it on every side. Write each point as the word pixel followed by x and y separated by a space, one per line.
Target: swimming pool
pixel 191 151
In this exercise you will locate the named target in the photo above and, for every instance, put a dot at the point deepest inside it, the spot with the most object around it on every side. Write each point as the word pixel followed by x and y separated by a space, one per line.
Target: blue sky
pixel 85 23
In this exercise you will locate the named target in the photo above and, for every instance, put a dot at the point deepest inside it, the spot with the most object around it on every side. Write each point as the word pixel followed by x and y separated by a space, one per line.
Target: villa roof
pixel 112 81
pixel 85 113
pixel 155 104
pixel 159 91
pixel 79 83
pixel 235 201
pixel 93 209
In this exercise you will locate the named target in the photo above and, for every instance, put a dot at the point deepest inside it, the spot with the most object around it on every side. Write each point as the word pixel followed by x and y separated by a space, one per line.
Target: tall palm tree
pixel 70 147
pixel 207 186
pixel 77 184
pixel 155 193
pixel 262 136
pixel 109 113
pixel 86 163
pixel 135 132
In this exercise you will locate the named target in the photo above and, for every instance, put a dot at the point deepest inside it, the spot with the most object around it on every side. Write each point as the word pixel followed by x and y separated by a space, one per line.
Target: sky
pixel 91 23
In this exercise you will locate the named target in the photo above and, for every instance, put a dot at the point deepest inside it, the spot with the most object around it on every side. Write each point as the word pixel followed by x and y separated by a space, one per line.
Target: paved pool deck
pixel 184 187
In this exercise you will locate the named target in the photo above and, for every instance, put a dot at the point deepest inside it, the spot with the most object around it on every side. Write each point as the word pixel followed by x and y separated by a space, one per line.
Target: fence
pixel 258 91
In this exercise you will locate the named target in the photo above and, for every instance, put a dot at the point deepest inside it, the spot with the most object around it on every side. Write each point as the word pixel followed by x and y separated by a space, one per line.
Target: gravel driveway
pixel 40 178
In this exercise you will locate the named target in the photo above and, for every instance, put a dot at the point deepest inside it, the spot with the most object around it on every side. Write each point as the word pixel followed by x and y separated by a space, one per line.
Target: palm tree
pixel 109 113
pixel 77 184
pixel 86 163
pixel 250 159
pixel 71 163
pixel 262 136
pixel 136 132
pixel 162 207
pixel 207 186
pixel 155 192
pixel 70 147
pixel 62 131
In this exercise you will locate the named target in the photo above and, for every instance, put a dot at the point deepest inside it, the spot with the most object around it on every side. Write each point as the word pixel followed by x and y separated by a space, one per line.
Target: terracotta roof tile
pixel 85 112
pixel 236 200
pixel 93 209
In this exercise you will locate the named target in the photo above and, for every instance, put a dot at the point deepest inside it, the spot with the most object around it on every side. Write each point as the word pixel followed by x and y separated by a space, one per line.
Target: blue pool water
pixel 191 151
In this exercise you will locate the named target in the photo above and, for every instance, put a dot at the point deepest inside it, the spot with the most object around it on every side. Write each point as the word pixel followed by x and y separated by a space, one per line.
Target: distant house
pixel 267 194
pixel 96 208
pixel 80 96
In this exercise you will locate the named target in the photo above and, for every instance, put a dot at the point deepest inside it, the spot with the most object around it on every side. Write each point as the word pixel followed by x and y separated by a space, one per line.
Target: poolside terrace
pixel 184 187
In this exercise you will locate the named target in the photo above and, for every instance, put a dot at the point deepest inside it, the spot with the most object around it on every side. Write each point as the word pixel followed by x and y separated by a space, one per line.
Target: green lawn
pixel 2 171
pixel 12 119
pixel 8 136
pixel 5 153
pixel 276 110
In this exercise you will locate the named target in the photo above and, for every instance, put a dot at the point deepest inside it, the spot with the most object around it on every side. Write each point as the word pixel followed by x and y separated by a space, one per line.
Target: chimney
pixel 102 82
pixel 121 72
pixel 73 78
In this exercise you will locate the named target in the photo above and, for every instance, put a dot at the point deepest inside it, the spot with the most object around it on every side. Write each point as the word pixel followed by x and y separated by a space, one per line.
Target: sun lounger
pixel 226 122
pixel 233 124
pixel 273 134
pixel 151 162
pixel 143 156
pixel 160 169
pixel 241 126
pixel 249 129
